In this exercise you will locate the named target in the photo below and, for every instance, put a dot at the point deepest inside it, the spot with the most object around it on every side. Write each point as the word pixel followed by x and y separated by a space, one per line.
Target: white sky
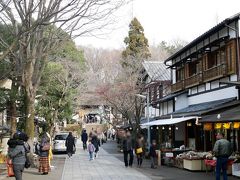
pixel 166 20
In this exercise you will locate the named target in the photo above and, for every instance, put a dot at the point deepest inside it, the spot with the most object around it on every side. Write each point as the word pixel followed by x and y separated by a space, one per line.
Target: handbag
pixel 10 168
pixel 27 162
pixel 139 150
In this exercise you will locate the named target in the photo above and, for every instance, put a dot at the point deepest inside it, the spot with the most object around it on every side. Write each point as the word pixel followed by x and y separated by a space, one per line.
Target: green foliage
pixel 59 81
pixel 69 51
pixel 136 42
pixel 6 32
pixel 172 48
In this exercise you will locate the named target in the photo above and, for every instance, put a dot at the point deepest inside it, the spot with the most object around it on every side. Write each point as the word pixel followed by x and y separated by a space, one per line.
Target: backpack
pixel 27 150
pixel 37 149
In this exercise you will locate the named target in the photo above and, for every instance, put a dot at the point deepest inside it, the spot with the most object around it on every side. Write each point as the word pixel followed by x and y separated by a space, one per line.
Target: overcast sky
pixel 166 20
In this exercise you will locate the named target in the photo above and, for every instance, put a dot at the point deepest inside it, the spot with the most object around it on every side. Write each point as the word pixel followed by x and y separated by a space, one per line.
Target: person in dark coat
pixel 128 149
pixel 84 137
pixel 70 144
pixel 96 143
pixel 153 154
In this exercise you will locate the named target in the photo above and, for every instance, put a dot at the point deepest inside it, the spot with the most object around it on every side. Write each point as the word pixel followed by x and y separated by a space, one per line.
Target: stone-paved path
pixel 105 167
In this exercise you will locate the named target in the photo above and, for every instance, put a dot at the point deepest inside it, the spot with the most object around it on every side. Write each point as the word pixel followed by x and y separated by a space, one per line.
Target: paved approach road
pixel 109 166
pixel 162 172
pixel 105 167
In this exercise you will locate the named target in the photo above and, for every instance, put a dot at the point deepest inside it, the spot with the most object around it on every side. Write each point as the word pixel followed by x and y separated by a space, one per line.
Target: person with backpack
pixel 44 148
pixel 17 152
pixel 96 142
pixel 84 138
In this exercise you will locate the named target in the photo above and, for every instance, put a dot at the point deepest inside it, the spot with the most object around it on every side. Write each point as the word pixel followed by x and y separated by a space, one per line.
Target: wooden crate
pixel 192 164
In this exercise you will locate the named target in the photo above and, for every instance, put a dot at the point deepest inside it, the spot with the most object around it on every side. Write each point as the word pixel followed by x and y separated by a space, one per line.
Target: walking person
pixel 44 148
pixel 84 138
pixel 17 152
pixel 96 143
pixel 113 132
pixel 153 154
pixel 139 149
pixel 128 149
pixel 91 150
pixel 222 150
pixel 70 144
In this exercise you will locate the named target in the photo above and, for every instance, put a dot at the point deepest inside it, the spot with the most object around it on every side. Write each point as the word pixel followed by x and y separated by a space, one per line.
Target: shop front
pixel 226 120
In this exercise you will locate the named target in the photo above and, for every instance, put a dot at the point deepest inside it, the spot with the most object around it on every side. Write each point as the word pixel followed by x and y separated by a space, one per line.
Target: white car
pixel 59 142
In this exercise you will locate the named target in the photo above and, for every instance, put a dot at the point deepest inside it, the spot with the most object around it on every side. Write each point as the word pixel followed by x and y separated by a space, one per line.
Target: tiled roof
pixel 204 35
pixel 203 106
pixel 157 71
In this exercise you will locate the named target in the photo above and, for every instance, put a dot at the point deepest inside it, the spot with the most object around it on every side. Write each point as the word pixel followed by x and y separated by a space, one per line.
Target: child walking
pixel 91 150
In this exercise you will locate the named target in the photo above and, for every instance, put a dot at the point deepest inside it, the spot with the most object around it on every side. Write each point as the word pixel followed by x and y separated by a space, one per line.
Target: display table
pixel 236 169
pixel 192 164
pixel 168 157
pixel 212 163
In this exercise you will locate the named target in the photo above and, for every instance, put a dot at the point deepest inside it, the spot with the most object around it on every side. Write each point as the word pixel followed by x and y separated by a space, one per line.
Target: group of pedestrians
pixel 18 153
pixel 94 142
pixel 130 145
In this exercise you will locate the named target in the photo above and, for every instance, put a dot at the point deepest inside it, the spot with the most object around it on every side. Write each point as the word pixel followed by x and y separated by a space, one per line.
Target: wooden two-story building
pixel 205 85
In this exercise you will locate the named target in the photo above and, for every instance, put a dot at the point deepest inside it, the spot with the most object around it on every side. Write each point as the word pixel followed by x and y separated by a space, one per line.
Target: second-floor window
pixel 179 74
pixel 192 68
pixel 216 58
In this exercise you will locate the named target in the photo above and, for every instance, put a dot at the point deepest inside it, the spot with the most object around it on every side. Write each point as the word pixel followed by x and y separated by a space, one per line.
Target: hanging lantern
pixel 207 126
pixel 218 125
pixel 226 125
pixel 236 125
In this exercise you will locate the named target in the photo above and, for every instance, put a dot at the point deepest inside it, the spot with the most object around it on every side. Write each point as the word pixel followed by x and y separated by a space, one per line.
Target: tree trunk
pixel 13 115
pixel 30 111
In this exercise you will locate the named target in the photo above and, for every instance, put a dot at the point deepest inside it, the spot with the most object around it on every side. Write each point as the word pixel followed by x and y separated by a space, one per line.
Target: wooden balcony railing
pixel 214 72
pixel 193 80
pixel 178 86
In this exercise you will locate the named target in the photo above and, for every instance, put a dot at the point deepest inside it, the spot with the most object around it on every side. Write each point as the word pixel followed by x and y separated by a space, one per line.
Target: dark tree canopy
pixel 136 43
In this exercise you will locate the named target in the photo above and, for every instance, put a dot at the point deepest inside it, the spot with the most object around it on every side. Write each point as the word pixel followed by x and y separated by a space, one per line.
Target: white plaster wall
pixel 152 111
pixel 157 112
pixel 233 77
pixel 201 88
pixel 194 90
pixel 231 32
pixel 161 111
pixel 225 93
pixel 174 76
pixel 208 86
pixel 165 108
pixel 170 107
pixel 223 32
pixel 180 133
pixel 215 84
pixel 181 101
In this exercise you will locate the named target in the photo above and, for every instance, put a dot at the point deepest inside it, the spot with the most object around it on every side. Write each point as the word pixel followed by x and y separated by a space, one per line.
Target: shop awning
pixel 229 114
pixel 169 121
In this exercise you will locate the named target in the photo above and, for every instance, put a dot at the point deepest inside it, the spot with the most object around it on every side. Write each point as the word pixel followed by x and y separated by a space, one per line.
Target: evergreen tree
pixel 136 44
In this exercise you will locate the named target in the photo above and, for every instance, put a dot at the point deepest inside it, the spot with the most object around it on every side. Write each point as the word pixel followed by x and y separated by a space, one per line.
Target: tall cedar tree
pixel 137 45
